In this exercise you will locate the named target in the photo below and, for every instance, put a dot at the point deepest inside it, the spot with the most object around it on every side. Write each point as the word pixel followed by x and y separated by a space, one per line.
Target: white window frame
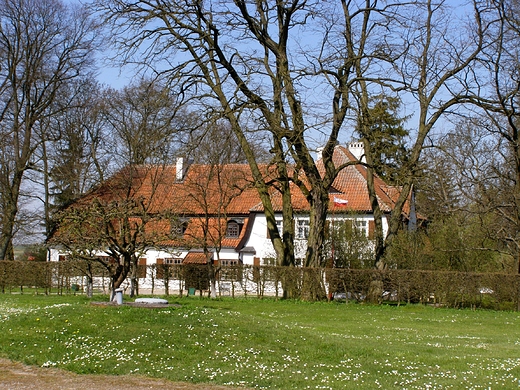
pixel 173 261
pixel 233 232
pixel 233 274
pixel 302 229
pixel 361 225
pixel 176 275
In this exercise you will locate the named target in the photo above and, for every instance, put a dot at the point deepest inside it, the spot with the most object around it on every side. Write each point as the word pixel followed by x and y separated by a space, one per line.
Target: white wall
pixel 264 248
pixel 258 239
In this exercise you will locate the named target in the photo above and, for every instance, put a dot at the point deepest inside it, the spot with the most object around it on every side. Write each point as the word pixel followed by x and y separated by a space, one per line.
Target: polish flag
pixel 340 202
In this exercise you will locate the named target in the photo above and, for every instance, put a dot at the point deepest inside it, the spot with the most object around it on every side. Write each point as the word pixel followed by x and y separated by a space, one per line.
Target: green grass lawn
pixel 268 344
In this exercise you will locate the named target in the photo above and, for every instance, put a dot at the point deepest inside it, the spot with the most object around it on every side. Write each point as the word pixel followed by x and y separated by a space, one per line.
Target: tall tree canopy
pixel 498 99
pixel 302 69
pixel 44 44
pixel 145 122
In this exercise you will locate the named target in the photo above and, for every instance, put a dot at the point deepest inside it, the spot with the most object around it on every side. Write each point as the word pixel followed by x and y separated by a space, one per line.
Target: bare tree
pixel 213 142
pixel 118 222
pixel 72 157
pixel 497 96
pixel 435 70
pixel 43 44
pixel 211 186
pixel 211 189
pixel 467 190
pixel 258 62
pixel 78 143
pixel 302 69
pixel 145 122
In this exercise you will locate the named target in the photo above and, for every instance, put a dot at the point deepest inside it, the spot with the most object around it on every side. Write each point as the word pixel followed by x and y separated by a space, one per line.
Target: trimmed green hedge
pixel 443 288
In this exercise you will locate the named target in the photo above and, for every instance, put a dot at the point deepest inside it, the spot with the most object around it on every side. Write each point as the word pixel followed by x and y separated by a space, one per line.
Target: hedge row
pixel 442 288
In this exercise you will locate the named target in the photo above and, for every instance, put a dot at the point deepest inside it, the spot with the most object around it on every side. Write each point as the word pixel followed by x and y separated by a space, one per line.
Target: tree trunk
pixel 287 222
pixel 516 195
pixel 212 280
pixel 10 208
pixel 378 215
pixel 90 287
pixel 119 274
pixel 317 222
pixel 133 279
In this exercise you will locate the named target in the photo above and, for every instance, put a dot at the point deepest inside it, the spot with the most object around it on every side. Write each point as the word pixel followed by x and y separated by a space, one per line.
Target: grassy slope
pixel 268 344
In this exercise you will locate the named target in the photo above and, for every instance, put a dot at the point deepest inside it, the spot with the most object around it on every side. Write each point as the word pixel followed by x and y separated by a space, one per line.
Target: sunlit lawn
pixel 268 344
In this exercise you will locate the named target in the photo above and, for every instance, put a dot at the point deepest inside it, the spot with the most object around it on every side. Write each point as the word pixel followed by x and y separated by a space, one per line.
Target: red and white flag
pixel 340 202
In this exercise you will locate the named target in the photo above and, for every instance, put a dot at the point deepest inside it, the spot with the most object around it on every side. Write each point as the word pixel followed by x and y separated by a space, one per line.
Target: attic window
pixel 233 229
pixel 178 228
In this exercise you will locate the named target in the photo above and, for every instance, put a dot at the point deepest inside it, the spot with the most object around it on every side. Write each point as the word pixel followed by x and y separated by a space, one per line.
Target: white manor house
pixel 216 214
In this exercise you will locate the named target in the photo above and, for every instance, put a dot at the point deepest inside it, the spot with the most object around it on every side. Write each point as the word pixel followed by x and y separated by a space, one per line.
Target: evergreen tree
pixel 386 136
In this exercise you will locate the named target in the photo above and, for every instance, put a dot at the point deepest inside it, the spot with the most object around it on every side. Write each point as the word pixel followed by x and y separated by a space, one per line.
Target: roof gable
pixel 351 181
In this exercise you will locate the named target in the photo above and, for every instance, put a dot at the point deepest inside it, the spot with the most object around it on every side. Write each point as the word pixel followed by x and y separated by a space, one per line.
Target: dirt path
pixel 16 376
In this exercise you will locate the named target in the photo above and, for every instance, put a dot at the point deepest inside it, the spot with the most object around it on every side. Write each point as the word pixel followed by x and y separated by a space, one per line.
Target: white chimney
pixel 319 153
pixel 180 168
pixel 358 150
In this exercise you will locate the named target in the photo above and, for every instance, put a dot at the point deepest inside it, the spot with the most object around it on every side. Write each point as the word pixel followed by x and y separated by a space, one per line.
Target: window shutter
pixel 327 229
pixel 141 268
pixel 348 228
pixel 371 229
pixel 160 269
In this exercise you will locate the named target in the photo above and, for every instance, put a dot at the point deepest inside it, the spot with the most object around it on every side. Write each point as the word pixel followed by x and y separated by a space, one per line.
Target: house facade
pixel 214 213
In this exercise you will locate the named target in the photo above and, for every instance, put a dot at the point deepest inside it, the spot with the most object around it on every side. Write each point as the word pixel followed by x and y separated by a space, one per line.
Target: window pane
pixel 232 229
pixel 302 231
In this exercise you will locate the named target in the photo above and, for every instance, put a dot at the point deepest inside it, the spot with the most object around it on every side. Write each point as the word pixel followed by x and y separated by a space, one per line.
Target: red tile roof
pixel 351 183
pixel 228 189
pixel 211 195
pixel 196 258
